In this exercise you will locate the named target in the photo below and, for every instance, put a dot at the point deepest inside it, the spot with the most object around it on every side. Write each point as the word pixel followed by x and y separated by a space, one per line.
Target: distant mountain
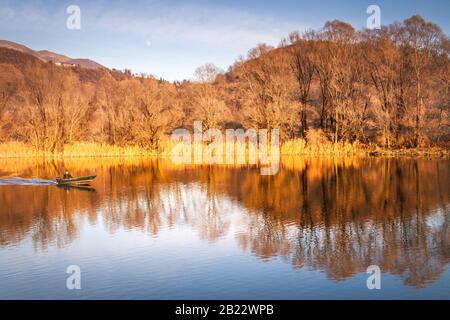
pixel 16 46
pixel 47 56
pixel 51 56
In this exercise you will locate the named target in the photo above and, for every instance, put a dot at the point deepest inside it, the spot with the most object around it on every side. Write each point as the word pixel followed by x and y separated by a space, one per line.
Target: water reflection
pixel 334 215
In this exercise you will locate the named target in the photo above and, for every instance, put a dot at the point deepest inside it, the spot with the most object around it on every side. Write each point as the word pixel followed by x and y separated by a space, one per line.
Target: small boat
pixel 75 181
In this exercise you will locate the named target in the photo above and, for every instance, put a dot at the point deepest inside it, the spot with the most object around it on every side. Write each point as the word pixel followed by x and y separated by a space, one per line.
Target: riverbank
pixel 290 148
pixel 78 150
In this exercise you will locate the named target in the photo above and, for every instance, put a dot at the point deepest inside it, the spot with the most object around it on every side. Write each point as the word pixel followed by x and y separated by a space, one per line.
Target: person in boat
pixel 67 175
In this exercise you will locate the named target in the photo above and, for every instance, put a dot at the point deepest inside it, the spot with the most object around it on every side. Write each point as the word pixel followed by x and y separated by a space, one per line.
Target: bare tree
pixel 207 73
pixel 421 39
pixel 157 113
pixel 10 82
pixel 304 70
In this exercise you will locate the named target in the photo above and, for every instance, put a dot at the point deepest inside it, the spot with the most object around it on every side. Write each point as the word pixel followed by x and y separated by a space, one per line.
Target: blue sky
pixel 171 38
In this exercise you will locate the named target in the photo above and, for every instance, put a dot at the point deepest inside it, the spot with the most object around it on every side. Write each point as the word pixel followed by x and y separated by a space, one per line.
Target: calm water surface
pixel 152 230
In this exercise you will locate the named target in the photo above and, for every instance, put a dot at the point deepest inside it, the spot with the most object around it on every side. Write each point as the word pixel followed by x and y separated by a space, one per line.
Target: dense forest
pixel 388 88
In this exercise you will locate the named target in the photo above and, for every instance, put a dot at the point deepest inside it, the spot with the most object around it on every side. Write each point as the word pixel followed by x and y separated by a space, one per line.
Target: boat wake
pixel 16 181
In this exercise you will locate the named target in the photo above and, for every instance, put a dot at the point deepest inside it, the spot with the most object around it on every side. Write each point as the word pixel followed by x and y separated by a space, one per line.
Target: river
pixel 150 229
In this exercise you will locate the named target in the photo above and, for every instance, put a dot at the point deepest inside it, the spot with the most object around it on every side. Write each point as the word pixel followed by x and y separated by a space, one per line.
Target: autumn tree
pixel 386 76
pixel 207 73
pixel 207 105
pixel 78 98
pixel 339 70
pixel 421 41
pixel 114 98
pixel 304 70
pixel 10 83
pixel 157 113
pixel 267 99
pixel 44 106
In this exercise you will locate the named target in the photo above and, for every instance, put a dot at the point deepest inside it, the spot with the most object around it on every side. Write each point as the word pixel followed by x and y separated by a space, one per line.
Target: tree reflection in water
pixel 338 215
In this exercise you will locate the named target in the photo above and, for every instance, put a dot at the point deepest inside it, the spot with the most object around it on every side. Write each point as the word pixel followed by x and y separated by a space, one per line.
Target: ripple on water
pixel 16 181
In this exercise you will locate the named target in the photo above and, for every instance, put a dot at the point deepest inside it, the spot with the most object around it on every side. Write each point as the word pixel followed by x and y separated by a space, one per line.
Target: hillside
pixel 17 58
pixel 47 56
pixel 324 91
pixel 87 70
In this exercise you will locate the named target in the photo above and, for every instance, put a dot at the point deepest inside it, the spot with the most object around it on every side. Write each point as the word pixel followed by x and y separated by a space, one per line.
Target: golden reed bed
pixel 291 147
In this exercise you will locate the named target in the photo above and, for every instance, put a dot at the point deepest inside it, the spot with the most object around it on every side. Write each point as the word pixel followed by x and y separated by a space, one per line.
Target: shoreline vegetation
pixel 297 147
pixel 331 91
